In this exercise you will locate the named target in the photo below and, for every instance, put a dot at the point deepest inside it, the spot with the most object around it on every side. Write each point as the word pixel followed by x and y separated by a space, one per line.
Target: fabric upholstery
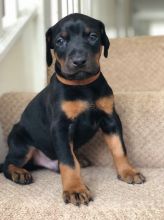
pixel 3 148
pixel 135 64
pixel 134 70
pixel 141 114
pixel 113 199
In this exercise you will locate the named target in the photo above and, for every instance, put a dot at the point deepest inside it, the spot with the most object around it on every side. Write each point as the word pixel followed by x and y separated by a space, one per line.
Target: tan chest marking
pixel 105 104
pixel 73 108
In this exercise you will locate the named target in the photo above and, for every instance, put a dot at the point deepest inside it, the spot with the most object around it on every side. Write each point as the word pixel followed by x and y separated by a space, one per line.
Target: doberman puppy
pixel 69 111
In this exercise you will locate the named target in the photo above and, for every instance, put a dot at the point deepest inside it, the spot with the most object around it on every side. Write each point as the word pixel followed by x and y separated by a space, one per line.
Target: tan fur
pixel 73 184
pixel 61 61
pixel 74 189
pixel 30 154
pixel 105 104
pixel 71 178
pixel 73 108
pixel 14 171
pixel 64 34
pixel 98 55
pixel 121 162
pixel 87 30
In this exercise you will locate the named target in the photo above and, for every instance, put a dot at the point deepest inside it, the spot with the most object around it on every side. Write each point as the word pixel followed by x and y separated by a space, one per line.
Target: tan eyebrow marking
pixel 64 34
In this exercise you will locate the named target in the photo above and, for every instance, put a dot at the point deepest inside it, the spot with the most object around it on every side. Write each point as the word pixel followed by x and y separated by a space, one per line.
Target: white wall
pixel 104 10
pixel 24 68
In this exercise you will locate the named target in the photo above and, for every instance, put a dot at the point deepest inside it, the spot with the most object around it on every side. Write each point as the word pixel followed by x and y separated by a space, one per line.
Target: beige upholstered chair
pixel 135 71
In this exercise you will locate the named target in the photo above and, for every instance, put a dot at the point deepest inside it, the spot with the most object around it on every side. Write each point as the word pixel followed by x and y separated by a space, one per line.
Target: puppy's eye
pixel 93 37
pixel 60 41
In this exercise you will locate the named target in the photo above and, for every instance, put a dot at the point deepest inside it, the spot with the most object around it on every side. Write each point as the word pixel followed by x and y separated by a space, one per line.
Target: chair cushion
pixel 113 199
pixel 142 117
pixel 135 64
pixel 3 147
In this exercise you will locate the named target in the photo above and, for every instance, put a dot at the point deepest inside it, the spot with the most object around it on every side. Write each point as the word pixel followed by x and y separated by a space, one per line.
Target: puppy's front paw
pixel 131 177
pixel 78 196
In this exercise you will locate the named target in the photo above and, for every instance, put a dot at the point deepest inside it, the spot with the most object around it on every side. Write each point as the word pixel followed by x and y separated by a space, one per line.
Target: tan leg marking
pixel 74 189
pixel 106 104
pixel 73 108
pixel 19 175
pixel 125 171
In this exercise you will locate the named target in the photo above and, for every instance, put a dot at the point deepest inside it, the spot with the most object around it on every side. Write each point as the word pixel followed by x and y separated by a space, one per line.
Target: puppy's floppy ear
pixel 104 39
pixel 49 46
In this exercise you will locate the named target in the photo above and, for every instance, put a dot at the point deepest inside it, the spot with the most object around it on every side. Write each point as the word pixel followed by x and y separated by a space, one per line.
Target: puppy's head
pixel 77 42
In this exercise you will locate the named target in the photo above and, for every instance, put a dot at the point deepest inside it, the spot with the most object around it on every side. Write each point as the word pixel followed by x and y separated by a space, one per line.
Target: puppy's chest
pixel 78 108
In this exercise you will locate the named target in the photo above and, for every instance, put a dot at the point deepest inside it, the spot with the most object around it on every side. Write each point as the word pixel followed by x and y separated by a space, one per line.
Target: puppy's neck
pixel 81 82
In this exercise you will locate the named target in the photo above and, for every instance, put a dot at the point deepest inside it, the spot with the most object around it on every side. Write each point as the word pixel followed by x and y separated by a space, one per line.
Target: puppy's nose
pixel 79 61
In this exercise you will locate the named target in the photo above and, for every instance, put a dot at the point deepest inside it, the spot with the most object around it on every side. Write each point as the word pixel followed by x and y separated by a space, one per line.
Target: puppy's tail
pixel 1 167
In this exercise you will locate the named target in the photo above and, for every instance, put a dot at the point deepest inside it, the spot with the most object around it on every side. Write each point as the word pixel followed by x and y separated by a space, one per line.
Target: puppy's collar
pixel 77 82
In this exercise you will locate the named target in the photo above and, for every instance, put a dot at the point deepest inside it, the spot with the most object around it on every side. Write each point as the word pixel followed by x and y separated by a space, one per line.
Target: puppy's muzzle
pixel 78 58
pixel 78 61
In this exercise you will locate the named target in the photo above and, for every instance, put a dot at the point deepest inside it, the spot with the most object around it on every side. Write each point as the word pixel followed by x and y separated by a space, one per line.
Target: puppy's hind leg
pixel 19 154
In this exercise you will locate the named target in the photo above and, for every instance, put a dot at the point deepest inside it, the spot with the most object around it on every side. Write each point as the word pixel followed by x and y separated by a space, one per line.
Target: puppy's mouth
pixel 80 74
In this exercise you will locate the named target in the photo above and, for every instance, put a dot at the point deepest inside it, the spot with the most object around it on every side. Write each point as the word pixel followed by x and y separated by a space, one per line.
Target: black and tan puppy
pixel 69 111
